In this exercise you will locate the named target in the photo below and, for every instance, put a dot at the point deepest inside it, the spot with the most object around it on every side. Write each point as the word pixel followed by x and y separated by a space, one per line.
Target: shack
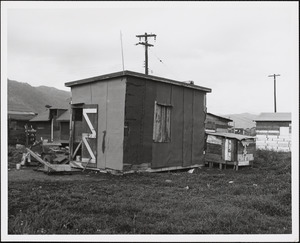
pixel 229 149
pixel 215 123
pixel 19 126
pixel 46 124
pixel 273 131
pixel 128 121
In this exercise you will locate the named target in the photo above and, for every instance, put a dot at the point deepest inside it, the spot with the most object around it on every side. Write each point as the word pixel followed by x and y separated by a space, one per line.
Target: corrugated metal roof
pixel 230 135
pixel 135 74
pixel 278 116
pixel 221 117
pixel 21 116
pixel 44 116
pixel 18 107
pixel 64 116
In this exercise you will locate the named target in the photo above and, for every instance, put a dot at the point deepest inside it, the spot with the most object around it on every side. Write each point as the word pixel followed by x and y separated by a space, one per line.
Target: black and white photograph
pixel 150 121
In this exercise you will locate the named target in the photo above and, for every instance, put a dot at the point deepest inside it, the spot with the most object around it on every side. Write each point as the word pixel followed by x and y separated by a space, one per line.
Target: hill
pixel 28 98
pixel 243 120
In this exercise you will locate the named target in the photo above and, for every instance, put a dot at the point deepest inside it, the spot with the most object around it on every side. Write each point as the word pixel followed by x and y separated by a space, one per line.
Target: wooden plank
pixel 71 139
pixel 34 155
pixel 213 157
pixel 76 150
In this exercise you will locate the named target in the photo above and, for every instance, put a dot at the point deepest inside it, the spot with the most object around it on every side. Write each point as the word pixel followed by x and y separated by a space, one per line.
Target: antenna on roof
pixel 122 50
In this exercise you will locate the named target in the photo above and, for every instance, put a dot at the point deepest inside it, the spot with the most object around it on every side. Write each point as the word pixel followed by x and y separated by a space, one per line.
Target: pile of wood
pixel 51 157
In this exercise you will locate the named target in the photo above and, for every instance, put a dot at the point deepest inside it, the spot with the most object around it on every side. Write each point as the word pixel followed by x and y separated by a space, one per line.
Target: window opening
pixel 162 123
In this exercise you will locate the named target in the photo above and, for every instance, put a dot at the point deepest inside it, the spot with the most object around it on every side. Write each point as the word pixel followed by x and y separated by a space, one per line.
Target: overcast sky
pixel 230 47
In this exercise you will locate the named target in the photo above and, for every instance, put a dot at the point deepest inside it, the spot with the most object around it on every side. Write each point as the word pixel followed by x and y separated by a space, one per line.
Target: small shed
pixel 18 120
pixel 129 121
pixel 215 123
pixel 273 131
pixel 46 124
pixel 229 149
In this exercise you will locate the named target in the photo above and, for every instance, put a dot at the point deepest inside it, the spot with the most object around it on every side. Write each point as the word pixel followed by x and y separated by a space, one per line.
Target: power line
pixel 163 62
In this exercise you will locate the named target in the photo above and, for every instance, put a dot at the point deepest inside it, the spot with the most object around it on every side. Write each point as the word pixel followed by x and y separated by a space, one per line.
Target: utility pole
pixel 274 75
pixel 146 44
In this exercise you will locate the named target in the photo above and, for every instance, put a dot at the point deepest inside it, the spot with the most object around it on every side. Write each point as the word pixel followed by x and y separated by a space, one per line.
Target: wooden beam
pixel 77 148
pixel 34 155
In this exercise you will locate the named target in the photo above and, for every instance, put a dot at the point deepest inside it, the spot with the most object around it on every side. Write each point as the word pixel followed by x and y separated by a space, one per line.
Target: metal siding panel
pixel 99 97
pixel 161 152
pixel 176 126
pixel 82 94
pixel 115 123
pixel 134 119
pixel 187 126
pixel 198 128
pixel 148 121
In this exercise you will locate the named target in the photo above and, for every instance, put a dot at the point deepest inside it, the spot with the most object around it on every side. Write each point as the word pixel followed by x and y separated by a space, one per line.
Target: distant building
pixel 46 124
pixel 243 131
pixel 18 120
pixel 214 123
pixel 273 131
pixel 64 127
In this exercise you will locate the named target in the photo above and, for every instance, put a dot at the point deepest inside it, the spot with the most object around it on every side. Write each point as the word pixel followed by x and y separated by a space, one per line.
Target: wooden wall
pixel 187 124
pixel 216 150
pixel 110 98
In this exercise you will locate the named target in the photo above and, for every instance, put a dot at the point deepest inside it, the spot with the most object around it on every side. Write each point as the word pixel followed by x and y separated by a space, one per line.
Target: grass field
pixel 248 201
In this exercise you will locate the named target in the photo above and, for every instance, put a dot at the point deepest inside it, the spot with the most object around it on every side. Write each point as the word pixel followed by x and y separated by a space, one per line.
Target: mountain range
pixel 24 97
pixel 243 120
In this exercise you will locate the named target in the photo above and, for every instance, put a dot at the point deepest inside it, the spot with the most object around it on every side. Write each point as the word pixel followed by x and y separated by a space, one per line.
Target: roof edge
pixel 135 74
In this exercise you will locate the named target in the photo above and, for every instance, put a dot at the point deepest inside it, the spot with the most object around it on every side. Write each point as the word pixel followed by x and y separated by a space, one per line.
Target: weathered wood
pixel 34 155
pixel 71 139
pixel 76 150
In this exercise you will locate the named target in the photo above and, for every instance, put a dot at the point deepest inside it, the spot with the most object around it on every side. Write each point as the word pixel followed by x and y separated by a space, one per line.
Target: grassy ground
pixel 248 201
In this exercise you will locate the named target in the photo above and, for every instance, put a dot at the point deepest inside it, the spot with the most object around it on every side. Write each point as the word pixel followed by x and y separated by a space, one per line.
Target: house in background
pixel 273 131
pixel 132 121
pixel 64 127
pixel 214 123
pixel 18 120
pixel 46 125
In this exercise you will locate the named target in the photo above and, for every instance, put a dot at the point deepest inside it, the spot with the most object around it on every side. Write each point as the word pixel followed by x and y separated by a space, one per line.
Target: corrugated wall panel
pixel 161 152
pixel 110 97
pixel 134 120
pixel 148 122
pixel 176 127
pixel 187 126
pixel 115 123
pixel 198 128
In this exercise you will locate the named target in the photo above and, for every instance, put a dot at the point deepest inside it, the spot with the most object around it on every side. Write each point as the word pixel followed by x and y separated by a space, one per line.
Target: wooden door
pixel 228 149
pixel 89 135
